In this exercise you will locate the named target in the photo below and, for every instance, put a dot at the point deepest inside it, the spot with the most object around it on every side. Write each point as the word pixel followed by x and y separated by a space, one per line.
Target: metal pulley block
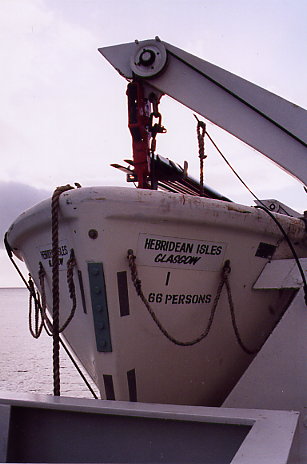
pixel 149 58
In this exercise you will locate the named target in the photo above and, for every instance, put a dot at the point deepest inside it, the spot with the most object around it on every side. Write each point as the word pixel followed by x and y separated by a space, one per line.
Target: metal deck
pixel 36 428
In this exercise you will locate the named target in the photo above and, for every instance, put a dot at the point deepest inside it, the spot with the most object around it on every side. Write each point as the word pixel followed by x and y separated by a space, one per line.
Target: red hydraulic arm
pixel 138 123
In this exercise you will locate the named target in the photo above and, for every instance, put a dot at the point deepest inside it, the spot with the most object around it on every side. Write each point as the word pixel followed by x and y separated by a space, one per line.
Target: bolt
pixel 97 290
pixel 147 57
pixel 92 233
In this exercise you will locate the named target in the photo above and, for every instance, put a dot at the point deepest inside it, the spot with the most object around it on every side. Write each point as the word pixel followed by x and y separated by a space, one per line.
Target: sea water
pixel 26 362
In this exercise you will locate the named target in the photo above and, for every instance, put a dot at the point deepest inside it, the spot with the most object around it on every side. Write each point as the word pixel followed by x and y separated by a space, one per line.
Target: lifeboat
pixel 157 292
pixel 167 310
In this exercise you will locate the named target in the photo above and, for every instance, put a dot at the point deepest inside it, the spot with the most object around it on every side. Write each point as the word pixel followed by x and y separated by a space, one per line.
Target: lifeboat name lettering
pixel 168 245
pixel 180 259
pixel 180 253
pixel 45 253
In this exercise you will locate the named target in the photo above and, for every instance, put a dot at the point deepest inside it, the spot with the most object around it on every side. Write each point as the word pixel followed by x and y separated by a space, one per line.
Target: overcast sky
pixel 63 115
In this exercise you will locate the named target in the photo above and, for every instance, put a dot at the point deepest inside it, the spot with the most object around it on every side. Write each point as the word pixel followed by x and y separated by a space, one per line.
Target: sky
pixel 63 113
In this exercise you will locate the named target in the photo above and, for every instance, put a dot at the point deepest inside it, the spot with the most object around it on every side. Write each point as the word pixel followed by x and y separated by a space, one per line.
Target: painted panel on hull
pixel 180 253
pixel 100 307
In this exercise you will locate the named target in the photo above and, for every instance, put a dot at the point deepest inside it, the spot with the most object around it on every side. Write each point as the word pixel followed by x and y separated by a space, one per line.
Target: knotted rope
pixel 201 132
pixel 55 285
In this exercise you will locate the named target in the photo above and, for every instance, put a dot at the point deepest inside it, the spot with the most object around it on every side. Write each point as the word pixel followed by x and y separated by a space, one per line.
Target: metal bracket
pixel 276 206
pixel 281 273
pixel 100 307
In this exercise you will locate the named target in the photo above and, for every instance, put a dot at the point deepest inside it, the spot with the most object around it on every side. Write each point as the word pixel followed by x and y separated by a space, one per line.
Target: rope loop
pixel 201 132
pixel 33 296
pixel 71 263
pixel 138 287
pixel 226 270
pixel 43 306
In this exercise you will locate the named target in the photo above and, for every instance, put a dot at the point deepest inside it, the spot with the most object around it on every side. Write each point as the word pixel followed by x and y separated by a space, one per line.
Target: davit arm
pixel 271 125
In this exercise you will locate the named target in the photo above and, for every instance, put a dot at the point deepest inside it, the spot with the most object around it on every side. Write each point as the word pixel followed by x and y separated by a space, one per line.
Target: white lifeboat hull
pixel 181 244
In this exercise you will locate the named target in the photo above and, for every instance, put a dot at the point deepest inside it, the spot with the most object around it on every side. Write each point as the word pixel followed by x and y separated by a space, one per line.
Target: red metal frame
pixel 138 123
